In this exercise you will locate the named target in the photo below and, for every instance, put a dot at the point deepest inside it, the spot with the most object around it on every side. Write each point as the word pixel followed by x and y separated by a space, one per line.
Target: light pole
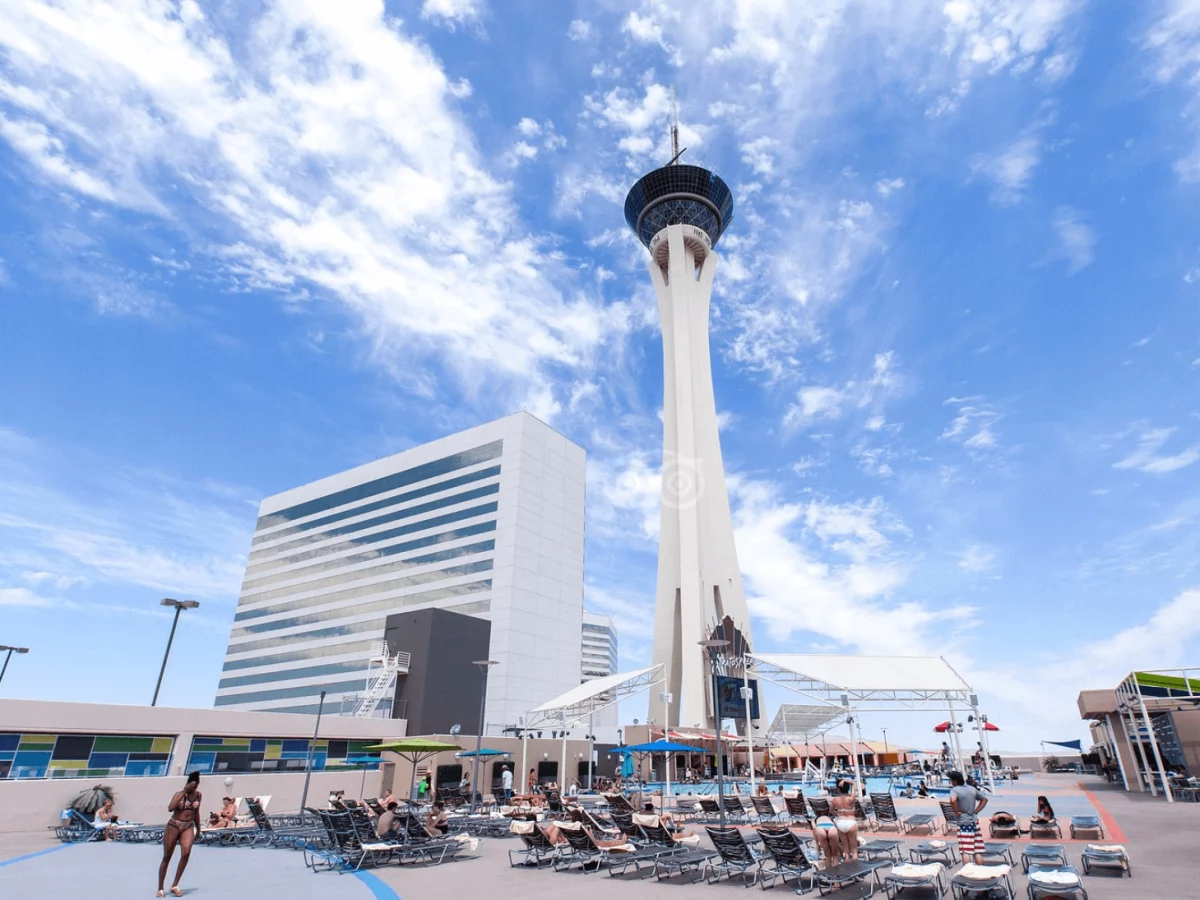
pixel 312 747
pixel 885 743
pixel 11 651
pixel 666 697
pixel 484 665
pixel 712 647
pixel 180 606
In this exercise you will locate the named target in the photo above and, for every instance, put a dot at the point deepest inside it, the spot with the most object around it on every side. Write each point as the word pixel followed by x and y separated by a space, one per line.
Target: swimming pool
pixel 875 784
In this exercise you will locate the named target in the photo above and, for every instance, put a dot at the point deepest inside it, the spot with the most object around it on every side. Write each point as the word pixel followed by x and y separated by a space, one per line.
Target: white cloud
pixel 452 13
pixel 1146 458
pixel 758 154
pixel 885 187
pixel 580 30
pixel 977 559
pixel 647 30
pixel 815 403
pixel 529 127
pixel 1076 239
pixel 1174 38
pixel 19 596
pixel 973 425
pixel 1010 169
pixel 296 137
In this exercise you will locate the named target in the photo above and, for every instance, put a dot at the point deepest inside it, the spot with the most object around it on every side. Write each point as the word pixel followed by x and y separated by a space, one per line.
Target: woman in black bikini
pixel 182 829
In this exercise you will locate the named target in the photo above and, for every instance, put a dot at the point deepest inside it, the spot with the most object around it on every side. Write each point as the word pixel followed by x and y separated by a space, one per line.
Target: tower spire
pixel 675 151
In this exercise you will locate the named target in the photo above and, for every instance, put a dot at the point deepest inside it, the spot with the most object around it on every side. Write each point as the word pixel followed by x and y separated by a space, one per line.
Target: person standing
pixel 506 785
pixel 967 802
pixel 182 829
pixel 532 785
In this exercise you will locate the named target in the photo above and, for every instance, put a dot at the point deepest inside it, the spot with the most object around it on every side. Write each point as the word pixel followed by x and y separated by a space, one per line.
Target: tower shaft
pixel 699 582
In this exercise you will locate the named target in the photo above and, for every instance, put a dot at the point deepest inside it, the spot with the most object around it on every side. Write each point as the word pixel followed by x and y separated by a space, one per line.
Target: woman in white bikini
pixel 845 820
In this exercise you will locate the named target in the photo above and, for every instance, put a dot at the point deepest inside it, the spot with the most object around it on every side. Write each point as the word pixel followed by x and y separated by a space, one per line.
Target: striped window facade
pixel 324 573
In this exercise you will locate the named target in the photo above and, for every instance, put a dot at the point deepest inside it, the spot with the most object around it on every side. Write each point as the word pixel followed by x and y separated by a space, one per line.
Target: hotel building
pixel 486 523
pixel 600 658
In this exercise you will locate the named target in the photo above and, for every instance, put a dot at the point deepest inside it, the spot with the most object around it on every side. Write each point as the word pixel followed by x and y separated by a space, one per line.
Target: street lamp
pixel 885 743
pixel 712 647
pixel 484 665
pixel 180 606
pixel 11 651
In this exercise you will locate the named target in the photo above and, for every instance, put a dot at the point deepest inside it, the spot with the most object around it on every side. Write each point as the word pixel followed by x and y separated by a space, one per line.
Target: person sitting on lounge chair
pixel 435 820
pixel 668 822
pixel 106 821
pixel 387 824
pixel 1045 812
pixel 226 816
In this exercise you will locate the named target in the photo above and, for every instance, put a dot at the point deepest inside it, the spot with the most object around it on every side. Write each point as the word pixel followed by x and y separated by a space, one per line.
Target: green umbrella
pixel 415 750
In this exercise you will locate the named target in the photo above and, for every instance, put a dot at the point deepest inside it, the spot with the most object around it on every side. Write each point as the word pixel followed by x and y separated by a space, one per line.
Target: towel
pixel 791 794
pixel 646 820
pixel 1108 848
pixel 1057 878
pixel 937 845
pixel 911 870
pixel 570 826
pixel 519 826
pixel 974 872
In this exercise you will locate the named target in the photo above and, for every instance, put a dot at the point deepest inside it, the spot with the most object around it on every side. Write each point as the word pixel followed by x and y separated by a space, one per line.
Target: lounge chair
pixel 1086 823
pixel 788 855
pixel 1048 828
pixel 711 810
pixel 1043 854
pixel 933 851
pixel 886 815
pixel 1004 824
pixel 819 806
pixel 998 850
pixel 853 872
pixel 864 812
pixel 536 849
pixel 949 819
pixel 734 809
pixel 882 849
pixel 581 848
pixel 736 857
pixel 1060 882
pixel 78 829
pixel 656 842
pixel 619 802
pixel 625 825
pixel 765 809
pixel 797 810
pixel 1106 856
pixel 913 875
pixel 885 812
pixel 982 881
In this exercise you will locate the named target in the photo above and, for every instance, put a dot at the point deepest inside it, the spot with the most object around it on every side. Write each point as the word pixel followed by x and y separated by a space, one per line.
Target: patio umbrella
pixel 988 726
pixel 943 728
pixel 627 766
pixel 415 750
pixel 483 753
pixel 660 746
pixel 92 799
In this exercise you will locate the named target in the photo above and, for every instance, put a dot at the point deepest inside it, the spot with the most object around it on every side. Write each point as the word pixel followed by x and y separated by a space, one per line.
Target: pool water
pixel 875 785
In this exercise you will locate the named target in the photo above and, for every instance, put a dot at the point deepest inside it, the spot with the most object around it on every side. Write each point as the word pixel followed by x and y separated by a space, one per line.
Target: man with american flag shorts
pixel 967 801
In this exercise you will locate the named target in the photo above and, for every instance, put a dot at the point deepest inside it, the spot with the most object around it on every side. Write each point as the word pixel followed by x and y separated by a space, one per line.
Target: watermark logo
pixel 682 481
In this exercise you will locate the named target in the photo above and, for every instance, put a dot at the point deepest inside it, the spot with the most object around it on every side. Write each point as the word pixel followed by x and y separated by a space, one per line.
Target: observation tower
pixel 679 213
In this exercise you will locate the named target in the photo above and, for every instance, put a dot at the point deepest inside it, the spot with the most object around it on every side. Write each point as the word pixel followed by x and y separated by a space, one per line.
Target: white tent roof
pixel 871 673
pixel 596 694
pixel 800 721
pixel 910 682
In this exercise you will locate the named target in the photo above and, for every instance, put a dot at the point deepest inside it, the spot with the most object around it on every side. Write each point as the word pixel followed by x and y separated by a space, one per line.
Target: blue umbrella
pixel 483 754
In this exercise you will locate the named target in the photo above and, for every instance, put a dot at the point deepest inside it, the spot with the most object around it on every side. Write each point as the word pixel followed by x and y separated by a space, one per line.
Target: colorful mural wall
pixel 234 755
pixel 82 755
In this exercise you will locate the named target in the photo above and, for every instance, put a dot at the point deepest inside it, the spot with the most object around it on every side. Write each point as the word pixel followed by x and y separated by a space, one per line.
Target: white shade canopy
pixel 868 682
pixel 595 695
pixel 800 722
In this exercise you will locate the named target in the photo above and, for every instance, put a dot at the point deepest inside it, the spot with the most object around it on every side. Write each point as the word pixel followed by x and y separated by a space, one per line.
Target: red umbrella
pixel 988 726
pixel 945 726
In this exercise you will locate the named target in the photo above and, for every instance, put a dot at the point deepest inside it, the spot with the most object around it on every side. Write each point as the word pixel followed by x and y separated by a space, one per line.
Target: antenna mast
pixel 675 151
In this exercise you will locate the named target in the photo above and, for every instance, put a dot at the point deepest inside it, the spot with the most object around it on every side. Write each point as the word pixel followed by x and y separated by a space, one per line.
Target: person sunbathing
pixel 227 816
pixel 436 822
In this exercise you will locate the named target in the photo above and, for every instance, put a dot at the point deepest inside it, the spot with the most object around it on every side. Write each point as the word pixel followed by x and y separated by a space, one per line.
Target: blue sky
pixel 955 328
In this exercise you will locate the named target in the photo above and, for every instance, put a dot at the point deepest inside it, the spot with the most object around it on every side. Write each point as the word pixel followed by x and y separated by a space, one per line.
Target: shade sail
pixel 870 673
pixel 800 720
pixel 595 694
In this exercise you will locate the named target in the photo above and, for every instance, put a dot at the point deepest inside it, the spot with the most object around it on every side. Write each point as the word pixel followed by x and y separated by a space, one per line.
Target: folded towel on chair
pixel 912 870
pixel 982 873
pixel 1108 848
pixel 520 826
pixel 1056 878
pixel 937 845
pixel 570 826
pixel 646 820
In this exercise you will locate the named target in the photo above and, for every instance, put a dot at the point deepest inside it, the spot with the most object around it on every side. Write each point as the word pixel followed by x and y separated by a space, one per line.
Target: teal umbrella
pixel 627 766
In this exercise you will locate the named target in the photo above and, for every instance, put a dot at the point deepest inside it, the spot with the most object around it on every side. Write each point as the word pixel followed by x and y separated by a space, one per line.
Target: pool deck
pixel 1161 839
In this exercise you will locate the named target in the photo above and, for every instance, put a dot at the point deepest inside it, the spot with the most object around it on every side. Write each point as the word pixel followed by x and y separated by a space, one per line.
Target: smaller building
pixel 1146 730
pixel 599 659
